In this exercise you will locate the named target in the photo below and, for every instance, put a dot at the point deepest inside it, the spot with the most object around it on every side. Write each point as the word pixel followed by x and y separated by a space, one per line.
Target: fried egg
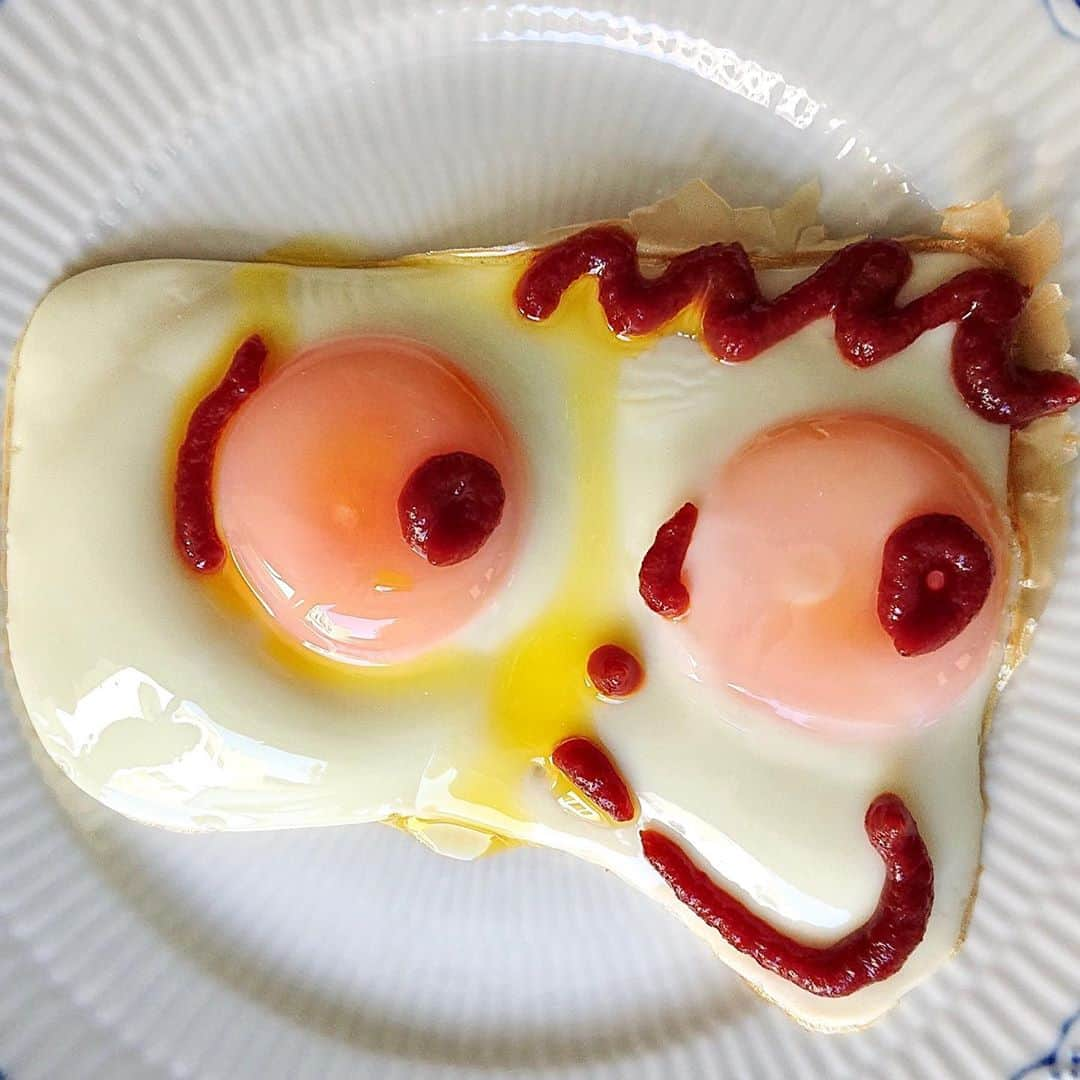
pixel 329 674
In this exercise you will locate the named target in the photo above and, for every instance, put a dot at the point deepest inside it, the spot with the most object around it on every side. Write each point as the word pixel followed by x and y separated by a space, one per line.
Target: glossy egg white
pixel 167 705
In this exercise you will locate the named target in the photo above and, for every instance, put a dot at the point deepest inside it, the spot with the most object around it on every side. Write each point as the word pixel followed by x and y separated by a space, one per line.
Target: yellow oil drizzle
pixel 539 691
pixel 443 671
pixel 418 829
pixel 263 295
pixel 314 250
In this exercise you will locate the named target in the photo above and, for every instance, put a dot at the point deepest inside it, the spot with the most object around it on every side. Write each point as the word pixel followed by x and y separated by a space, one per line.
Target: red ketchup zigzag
pixel 873 952
pixel 858 286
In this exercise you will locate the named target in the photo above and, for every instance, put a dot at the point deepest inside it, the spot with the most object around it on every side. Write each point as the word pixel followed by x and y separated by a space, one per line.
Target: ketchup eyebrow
pixel 660 577
pixel 858 286
pixel 197 538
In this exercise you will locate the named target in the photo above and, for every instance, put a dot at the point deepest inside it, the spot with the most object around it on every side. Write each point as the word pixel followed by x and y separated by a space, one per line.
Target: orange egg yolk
pixel 306 488
pixel 784 565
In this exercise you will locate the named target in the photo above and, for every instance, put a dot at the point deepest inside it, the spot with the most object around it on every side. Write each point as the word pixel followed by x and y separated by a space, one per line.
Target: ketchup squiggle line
pixel 858 286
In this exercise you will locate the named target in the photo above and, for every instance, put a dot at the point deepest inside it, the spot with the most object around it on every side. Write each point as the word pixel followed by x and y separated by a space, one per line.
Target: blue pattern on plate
pixel 1062 1061
pixel 1065 14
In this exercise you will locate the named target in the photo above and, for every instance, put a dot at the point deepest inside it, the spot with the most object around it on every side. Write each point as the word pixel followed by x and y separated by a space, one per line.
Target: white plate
pixel 133 127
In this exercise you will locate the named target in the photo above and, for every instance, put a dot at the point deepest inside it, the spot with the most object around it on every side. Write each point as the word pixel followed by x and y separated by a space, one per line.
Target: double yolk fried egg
pixel 329 672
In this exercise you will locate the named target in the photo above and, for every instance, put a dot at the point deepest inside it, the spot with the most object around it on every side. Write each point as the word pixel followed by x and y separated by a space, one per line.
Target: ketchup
pixel 936 573
pixel 449 506
pixel 858 286
pixel 873 952
pixel 193 498
pixel 614 671
pixel 660 577
pixel 588 767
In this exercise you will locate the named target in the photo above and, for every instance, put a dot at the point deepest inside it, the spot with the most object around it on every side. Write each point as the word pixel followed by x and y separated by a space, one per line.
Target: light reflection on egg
pixel 785 564
pixel 308 477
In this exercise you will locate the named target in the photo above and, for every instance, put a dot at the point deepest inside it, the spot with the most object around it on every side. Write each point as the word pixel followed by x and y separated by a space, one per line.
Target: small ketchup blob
pixel 308 484
pixel 589 768
pixel 449 506
pixel 196 531
pixel 786 562
pixel 873 952
pixel 614 671
pixel 660 578
pixel 936 573
pixel 858 286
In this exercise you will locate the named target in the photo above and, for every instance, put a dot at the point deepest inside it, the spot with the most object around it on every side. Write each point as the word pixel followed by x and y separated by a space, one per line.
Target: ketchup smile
pixel 873 952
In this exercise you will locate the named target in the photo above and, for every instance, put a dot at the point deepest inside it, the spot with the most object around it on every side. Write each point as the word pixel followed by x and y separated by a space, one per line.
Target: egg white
pixel 164 706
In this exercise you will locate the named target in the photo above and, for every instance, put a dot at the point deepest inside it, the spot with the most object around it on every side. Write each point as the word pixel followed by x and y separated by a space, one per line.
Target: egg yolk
pixel 784 565
pixel 309 473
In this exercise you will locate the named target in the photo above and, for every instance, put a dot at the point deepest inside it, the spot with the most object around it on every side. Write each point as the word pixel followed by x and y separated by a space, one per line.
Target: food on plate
pixel 696 545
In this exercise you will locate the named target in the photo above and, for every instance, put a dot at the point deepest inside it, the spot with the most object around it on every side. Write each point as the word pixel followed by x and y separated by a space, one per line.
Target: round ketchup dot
pixel 449 507
pixel 936 573
pixel 785 566
pixel 307 487
pixel 614 671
